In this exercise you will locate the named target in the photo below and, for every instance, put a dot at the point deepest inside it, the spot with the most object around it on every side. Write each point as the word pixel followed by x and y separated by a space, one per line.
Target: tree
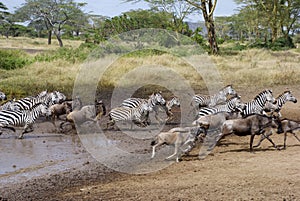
pixel 5 20
pixel 207 8
pixel 179 10
pixel 54 14
pixel 281 15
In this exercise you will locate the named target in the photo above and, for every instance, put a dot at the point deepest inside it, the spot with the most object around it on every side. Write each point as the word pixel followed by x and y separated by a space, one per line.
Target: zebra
pixel 2 96
pixel 155 99
pixel 281 100
pixel 199 100
pixel 232 105
pixel 168 106
pixel 256 106
pixel 24 118
pixel 136 114
pixel 28 102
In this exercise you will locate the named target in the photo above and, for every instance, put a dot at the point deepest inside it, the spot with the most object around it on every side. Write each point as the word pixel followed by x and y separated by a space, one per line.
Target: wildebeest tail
pixel 154 141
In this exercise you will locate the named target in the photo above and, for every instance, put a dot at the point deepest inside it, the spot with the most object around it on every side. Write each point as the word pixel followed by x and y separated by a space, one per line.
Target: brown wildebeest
pixel 250 125
pixel 288 126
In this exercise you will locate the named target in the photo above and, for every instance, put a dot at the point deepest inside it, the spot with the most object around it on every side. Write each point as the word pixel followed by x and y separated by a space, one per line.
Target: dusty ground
pixel 230 172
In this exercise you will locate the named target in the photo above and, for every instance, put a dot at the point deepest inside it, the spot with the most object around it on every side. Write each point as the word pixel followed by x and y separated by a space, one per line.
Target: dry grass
pixel 34 43
pixel 250 68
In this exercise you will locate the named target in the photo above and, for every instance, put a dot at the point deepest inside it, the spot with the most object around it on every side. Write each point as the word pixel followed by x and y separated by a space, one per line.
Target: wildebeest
pixel 178 137
pixel 288 126
pixel 250 125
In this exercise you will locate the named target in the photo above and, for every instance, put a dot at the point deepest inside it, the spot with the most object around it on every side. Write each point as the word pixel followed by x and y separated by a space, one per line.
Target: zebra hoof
pixel 21 137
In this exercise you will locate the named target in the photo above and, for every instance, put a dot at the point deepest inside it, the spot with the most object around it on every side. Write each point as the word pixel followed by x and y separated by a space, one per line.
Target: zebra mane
pixel 263 92
pixel 287 91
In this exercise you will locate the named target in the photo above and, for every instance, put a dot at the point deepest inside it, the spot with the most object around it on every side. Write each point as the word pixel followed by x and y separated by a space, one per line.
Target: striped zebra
pixel 2 96
pixel 154 100
pixel 168 107
pixel 232 105
pixel 137 114
pixel 200 100
pixel 257 105
pixel 28 102
pixel 24 118
pixel 281 100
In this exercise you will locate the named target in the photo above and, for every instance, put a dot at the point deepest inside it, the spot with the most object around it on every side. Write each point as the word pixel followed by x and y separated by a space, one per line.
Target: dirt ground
pixel 230 172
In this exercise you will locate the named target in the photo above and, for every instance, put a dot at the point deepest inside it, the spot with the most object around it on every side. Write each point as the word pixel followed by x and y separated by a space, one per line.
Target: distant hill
pixel 194 25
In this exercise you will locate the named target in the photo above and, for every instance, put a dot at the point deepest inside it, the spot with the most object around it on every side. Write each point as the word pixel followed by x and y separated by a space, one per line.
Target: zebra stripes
pixel 29 102
pixel 168 106
pixel 137 114
pixel 154 99
pixel 199 100
pixel 282 99
pixel 231 105
pixel 24 118
pixel 256 106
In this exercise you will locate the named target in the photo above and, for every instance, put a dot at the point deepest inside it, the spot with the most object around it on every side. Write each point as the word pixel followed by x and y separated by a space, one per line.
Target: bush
pixel 12 59
pixel 282 43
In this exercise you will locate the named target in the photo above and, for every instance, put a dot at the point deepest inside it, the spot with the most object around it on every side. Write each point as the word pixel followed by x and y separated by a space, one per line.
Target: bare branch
pixel 213 8
pixel 194 4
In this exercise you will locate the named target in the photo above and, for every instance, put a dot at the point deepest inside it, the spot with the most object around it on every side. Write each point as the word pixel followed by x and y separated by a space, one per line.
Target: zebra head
pixel 236 103
pixel 42 94
pixel 60 96
pixel 288 96
pixel 2 96
pixel 264 96
pixel 157 98
pixel 176 101
pixel 228 90
pixel 270 106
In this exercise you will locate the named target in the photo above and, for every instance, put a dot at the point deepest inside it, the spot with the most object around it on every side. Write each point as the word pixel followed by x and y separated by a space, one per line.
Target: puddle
pixel 37 155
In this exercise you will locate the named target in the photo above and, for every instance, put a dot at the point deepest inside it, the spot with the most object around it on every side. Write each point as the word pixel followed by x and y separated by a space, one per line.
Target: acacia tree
pixel 5 19
pixel 281 15
pixel 207 8
pixel 179 10
pixel 55 14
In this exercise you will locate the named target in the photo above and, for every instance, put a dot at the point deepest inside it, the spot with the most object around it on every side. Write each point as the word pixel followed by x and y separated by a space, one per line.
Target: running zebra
pixel 28 102
pixel 257 105
pixel 24 118
pixel 168 107
pixel 199 100
pixel 155 99
pixel 137 114
pixel 282 99
pixel 2 96
pixel 232 105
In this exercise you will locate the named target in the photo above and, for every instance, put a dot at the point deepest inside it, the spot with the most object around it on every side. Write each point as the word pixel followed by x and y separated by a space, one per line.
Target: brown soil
pixel 230 172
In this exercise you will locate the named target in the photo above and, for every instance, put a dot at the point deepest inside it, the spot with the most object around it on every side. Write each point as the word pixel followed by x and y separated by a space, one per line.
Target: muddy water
pixel 37 155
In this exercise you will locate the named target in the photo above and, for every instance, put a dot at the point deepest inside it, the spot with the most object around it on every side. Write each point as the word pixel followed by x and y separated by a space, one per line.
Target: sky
pixel 113 8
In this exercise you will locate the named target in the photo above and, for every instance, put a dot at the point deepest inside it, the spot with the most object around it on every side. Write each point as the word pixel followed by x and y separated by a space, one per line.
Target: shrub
pixel 12 59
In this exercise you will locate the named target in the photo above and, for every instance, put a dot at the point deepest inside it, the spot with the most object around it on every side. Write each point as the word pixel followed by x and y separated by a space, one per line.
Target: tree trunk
pixel 210 26
pixel 49 37
pixel 57 34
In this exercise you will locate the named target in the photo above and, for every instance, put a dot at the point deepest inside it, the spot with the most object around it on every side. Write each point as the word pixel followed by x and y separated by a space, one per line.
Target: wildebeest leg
pixel 262 138
pixel 270 140
pixel 285 136
pixel 175 153
pixel 251 142
pixel 153 149
pixel 284 140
